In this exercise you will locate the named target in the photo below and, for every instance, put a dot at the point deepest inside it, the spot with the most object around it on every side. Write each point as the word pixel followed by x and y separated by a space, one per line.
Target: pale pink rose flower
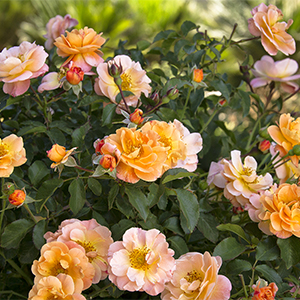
pixel 266 71
pixel 60 287
pixel 134 79
pixel 285 171
pixel 19 64
pixel 193 142
pixel 242 179
pixel 141 262
pixel 94 238
pixel 215 174
pixel 273 33
pixel 196 277
pixel 51 81
pixel 57 26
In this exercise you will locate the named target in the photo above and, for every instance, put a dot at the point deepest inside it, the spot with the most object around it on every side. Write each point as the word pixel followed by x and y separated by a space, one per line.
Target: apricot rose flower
pixel 19 64
pixel 82 47
pixel 265 23
pixel 196 277
pixel 141 262
pixel 142 156
pixel 57 26
pixel 60 287
pixel 281 211
pixel 134 79
pixel 266 71
pixel 12 154
pixel 56 258
pixel 263 291
pixel 287 135
pixel 242 179
pixel 59 155
pixel 94 238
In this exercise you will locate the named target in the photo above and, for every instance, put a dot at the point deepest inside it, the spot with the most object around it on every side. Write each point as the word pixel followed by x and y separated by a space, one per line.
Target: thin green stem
pixel 3 204
pixel 253 273
pixel 186 101
pixel 30 213
pixel 244 285
pixel 83 169
pixel 209 120
pixel 96 293
pixel 253 132
pixel 13 293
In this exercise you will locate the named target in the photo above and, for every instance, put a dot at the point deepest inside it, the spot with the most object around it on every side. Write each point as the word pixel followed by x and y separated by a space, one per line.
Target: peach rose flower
pixel 95 240
pixel 281 212
pixel 196 277
pixel 273 33
pixel 82 47
pixel 287 135
pixel 266 70
pixel 242 179
pixel 12 154
pixel 171 138
pixel 59 155
pixel 134 79
pixel 263 291
pixel 142 156
pixel 141 262
pixel 57 26
pixel 60 287
pixel 215 174
pixel 56 258
pixel 19 64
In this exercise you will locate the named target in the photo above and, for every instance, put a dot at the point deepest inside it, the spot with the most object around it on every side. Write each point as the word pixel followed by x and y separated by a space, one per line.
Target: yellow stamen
pixel 137 258
pixel 192 276
pixel 126 82
pixel 4 149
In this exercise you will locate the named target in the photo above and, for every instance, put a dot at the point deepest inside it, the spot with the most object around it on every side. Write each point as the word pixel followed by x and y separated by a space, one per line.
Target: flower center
pixel 192 276
pixel 21 57
pixel 61 267
pixel 137 258
pixel 131 146
pixel 88 246
pixel 247 171
pixel 126 82
pixel 4 149
pixel 167 142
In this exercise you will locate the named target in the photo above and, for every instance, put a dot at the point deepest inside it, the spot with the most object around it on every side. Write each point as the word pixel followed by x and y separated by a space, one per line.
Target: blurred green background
pixel 135 20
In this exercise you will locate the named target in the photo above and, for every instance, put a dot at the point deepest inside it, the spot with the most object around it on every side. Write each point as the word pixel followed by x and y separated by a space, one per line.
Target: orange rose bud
pixel 198 75
pixel 56 153
pixel 222 102
pixel 108 162
pixel 264 145
pixel 17 197
pixel 98 145
pixel 136 116
pixel 266 292
pixel 74 75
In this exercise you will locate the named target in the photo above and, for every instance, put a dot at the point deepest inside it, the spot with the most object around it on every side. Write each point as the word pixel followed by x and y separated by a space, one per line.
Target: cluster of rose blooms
pixel 80 253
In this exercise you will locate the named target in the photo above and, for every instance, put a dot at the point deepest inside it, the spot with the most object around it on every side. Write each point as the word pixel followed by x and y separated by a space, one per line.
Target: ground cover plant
pixel 148 174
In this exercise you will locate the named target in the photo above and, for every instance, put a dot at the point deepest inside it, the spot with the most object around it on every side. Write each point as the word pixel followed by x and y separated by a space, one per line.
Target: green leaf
pixel 229 248
pixel 142 45
pixel 87 100
pixel 31 129
pixel 46 191
pixel 228 132
pixel 289 250
pixel 108 113
pixel 178 244
pixel 138 200
pixel 38 234
pixel 162 35
pixel 267 250
pixel 95 186
pixel 235 229
pixel 207 225
pixel 179 175
pixel 77 192
pixel 246 102
pixel 269 274
pixel 56 136
pixel 119 228
pixel 187 26
pixel 155 193
pixel 37 171
pixel 173 224
pixel 238 266
pixel 125 94
pixel 99 219
pixel 113 192
pixel 79 134
pixel 219 85
pixel 15 232
pixel 189 206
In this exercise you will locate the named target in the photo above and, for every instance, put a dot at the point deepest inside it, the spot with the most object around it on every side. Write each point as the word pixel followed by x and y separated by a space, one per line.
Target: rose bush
pixel 147 173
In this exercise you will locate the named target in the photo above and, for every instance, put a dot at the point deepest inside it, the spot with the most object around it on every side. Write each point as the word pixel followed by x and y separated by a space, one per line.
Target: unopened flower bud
pixel 114 70
pixel 198 75
pixel 8 188
pixel 222 102
pixel 263 132
pixel 172 93
pixel 136 117
pixel 74 75
pixel 17 197
pixel 295 151
pixel 264 145
pixel 237 210
pixel 56 153
pixel 155 96
pixel 98 144
pixel 107 161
